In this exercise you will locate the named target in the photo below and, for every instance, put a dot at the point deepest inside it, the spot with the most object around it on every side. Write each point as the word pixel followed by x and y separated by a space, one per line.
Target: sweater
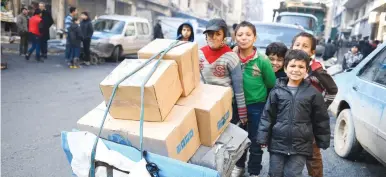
pixel 35 25
pixel 258 77
pixel 222 67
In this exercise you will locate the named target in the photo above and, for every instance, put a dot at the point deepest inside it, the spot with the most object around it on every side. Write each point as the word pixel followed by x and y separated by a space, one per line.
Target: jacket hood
pixel 179 31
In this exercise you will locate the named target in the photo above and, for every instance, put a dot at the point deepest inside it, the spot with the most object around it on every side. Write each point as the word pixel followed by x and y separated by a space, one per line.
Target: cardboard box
pixel 213 106
pixel 186 56
pixel 161 91
pixel 177 137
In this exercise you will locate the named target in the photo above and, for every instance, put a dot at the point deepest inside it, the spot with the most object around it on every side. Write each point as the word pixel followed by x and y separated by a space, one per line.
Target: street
pixel 39 100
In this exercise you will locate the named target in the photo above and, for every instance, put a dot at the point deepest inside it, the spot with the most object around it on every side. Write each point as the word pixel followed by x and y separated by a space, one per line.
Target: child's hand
pixel 263 145
pixel 244 121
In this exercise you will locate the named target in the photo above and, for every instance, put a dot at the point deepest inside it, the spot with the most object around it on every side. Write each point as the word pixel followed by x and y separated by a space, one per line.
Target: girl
pixel 220 66
pixel 258 77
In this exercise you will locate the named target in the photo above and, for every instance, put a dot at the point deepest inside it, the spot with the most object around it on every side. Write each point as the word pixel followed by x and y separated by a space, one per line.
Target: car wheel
pixel 116 54
pixel 345 143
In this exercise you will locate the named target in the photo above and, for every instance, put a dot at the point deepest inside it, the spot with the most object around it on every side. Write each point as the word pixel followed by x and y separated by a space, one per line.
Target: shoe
pixel 237 172
pixel 71 66
pixel 254 176
pixel 27 56
pixel 44 56
pixel 39 60
pixel 87 63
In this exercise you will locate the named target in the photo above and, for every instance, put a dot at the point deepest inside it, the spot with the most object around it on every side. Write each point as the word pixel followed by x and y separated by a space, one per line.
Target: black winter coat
pixel 290 123
pixel 87 29
pixel 75 35
pixel 47 21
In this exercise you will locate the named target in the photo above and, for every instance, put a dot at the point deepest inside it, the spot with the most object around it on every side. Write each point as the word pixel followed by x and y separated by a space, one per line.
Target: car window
pixel 266 34
pixel 375 70
pixel 146 28
pixel 109 26
pixel 130 30
pixel 140 28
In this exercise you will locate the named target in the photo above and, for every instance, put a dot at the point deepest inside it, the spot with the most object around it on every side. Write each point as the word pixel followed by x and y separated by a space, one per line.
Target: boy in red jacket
pixel 35 24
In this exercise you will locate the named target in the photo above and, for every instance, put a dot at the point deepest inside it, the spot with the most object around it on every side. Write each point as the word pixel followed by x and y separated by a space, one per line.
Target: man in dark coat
pixel 158 31
pixel 47 22
pixel 329 50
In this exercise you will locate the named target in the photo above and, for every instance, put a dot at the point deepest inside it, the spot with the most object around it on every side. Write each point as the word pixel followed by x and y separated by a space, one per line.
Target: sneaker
pixel 75 67
pixel 39 60
pixel 237 172
pixel 87 63
pixel 254 176
pixel 27 56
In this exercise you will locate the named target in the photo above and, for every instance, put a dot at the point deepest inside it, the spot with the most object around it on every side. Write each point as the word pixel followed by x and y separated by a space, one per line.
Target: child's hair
pixel 72 9
pixel 309 36
pixel 188 26
pixel 276 48
pixel 246 24
pixel 37 12
pixel 298 55
pixel 74 19
pixel 86 14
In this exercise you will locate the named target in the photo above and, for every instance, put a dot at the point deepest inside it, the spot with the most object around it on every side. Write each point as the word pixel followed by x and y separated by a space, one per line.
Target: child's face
pixel 245 37
pixel 296 70
pixel 83 17
pixel 354 49
pixel 186 32
pixel 215 39
pixel 277 62
pixel 305 44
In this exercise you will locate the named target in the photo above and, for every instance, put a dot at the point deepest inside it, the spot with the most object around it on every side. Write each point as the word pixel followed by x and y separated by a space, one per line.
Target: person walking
pixel 87 31
pixel 22 28
pixel 47 23
pixel 35 27
pixel 67 24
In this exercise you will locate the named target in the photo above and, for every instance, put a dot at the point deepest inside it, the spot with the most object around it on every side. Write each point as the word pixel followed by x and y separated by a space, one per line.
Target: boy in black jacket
pixel 87 31
pixel 75 37
pixel 295 114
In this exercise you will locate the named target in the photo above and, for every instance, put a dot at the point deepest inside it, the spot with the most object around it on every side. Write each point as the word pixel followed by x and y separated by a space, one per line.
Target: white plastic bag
pixel 80 145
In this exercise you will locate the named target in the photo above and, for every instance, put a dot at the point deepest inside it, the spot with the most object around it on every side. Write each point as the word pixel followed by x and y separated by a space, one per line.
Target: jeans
pixel 35 46
pixel 67 53
pixel 315 163
pixel 255 153
pixel 281 165
pixel 86 49
pixel 74 53
pixel 44 47
pixel 23 46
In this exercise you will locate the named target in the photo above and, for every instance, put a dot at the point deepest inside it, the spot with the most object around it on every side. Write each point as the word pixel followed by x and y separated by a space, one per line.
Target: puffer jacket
pixel 290 123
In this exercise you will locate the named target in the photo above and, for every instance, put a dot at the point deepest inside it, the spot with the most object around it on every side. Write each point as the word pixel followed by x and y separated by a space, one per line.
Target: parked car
pixel 274 32
pixel 118 35
pixel 360 108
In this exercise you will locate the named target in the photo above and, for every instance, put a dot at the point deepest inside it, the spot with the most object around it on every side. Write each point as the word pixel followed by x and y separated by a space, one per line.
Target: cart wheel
pixel 102 60
pixel 94 59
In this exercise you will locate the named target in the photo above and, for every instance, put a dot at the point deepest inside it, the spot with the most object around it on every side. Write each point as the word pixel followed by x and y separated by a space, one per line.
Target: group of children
pixel 278 99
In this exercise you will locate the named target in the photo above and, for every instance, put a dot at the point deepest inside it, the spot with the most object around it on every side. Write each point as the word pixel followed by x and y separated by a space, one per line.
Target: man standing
pixel 329 51
pixel 47 22
pixel 67 24
pixel 158 30
pixel 22 28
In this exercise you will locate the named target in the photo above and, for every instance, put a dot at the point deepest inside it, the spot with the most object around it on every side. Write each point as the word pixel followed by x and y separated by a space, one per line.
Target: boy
pixel 276 52
pixel 324 83
pixel 352 58
pixel 294 115
pixel 185 32
pixel 75 37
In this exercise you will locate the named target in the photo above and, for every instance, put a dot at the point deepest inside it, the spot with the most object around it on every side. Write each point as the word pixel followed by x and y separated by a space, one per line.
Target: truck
pixel 307 15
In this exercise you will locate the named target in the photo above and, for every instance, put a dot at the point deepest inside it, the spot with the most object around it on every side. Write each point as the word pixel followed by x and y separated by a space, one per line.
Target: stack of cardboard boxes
pixel 180 112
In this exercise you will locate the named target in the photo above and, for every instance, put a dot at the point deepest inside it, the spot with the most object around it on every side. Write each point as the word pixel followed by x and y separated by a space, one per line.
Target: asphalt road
pixel 39 100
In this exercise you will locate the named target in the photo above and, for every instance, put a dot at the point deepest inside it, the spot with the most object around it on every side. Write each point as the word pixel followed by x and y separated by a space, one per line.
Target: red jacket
pixel 34 25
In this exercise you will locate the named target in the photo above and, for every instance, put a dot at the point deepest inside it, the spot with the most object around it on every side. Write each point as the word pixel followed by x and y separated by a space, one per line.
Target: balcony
pixel 350 4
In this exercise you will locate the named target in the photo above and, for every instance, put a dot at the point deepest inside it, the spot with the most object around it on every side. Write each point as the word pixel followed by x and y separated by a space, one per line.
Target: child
pixel 276 52
pixel 87 31
pixel 352 58
pixel 220 66
pixel 75 37
pixel 294 115
pixel 324 83
pixel 258 77
pixel 185 32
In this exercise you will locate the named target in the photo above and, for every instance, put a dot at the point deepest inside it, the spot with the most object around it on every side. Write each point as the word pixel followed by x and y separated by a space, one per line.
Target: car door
pixel 128 44
pixel 367 104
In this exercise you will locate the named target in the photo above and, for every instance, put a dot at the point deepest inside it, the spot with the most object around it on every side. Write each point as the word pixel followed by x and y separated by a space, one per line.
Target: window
pixel 143 29
pixel 130 30
pixel 109 26
pixel 375 70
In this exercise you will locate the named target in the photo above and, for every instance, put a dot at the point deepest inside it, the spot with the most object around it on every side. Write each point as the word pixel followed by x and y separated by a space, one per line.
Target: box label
pixel 222 121
pixel 185 141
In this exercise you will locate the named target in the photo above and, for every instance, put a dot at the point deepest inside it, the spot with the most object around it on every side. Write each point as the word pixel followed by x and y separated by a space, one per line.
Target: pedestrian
pixel 47 21
pixel 258 77
pixel 185 32
pixel 67 24
pixel 75 38
pixel 219 65
pixel 294 115
pixel 352 57
pixel 35 27
pixel 329 50
pixel 276 52
pixel 22 28
pixel 324 83
pixel 87 31
pixel 158 30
